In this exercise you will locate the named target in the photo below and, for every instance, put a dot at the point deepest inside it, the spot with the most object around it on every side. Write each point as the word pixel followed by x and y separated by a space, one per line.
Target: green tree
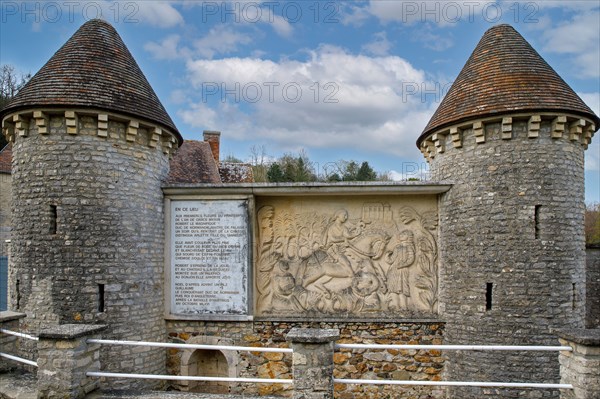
pixel 366 173
pixel 350 171
pixel 296 169
pixel 275 174
pixel 304 169
pixel 334 177
pixel 292 168
pixel 592 224
pixel 232 159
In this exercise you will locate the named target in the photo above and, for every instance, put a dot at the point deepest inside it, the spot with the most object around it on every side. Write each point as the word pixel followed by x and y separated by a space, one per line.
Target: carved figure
pixel 283 295
pixel 266 258
pixel 366 285
pixel 311 264
pixel 400 259
pixel 337 266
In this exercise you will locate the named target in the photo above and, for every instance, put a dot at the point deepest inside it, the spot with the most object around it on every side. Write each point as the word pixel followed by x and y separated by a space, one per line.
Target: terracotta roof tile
pixel 6 159
pixel 94 69
pixel 503 75
pixel 194 163
pixel 236 172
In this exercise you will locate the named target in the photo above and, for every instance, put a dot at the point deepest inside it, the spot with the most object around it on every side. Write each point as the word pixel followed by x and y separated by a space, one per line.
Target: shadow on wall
pixel 208 363
pixel 3 283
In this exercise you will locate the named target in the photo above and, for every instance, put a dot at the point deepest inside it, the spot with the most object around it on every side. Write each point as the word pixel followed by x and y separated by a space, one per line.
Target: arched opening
pixel 208 363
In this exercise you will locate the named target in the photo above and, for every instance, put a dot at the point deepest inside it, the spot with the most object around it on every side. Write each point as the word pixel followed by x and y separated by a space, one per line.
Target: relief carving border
pixel 381 262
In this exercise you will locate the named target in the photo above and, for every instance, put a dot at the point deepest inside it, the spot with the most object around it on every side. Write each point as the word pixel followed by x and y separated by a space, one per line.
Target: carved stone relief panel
pixel 361 257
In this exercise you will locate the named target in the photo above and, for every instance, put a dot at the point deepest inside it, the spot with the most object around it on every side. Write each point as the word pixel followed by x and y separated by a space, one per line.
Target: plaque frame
pixel 169 203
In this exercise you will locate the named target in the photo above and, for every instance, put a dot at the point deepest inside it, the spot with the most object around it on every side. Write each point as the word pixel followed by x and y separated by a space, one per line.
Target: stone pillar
pixel 581 367
pixel 64 357
pixel 8 343
pixel 312 362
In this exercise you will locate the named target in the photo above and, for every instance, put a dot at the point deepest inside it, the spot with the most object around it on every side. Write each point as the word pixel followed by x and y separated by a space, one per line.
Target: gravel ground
pixel 19 385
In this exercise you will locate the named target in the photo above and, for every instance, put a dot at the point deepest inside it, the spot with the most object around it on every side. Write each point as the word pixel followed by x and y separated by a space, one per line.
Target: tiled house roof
pixel 503 75
pixel 6 159
pixel 236 172
pixel 194 163
pixel 94 69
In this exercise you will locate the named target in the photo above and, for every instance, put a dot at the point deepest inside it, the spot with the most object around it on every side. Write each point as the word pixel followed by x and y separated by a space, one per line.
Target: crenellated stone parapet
pixel 105 125
pixel 568 127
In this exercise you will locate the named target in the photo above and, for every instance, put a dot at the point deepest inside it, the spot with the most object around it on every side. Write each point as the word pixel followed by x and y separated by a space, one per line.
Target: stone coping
pixel 71 331
pixel 127 394
pixel 312 188
pixel 9 315
pixel 379 320
pixel 313 335
pixel 582 336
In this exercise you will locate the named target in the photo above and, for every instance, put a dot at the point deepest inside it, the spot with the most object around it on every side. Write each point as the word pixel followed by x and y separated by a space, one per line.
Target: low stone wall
pixel 356 364
pixel 581 366
pixel 64 358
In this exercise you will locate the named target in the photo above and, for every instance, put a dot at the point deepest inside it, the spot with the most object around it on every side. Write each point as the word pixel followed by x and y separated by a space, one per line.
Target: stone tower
pixel 510 136
pixel 91 146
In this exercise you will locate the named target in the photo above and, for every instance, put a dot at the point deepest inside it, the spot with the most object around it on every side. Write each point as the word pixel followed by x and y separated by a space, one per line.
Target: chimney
pixel 213 138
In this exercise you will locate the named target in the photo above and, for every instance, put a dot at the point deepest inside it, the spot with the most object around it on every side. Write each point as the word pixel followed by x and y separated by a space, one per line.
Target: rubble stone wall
pixel 355 364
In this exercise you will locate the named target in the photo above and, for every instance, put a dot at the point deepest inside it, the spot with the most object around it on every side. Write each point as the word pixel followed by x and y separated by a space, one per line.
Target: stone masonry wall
pixel 511 249
pixel 592 260
pixel 366 364
pixel 88 236
pixel 5 199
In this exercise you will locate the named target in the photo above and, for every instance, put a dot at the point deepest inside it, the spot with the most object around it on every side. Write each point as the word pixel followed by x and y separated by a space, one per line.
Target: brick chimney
pixel 213 138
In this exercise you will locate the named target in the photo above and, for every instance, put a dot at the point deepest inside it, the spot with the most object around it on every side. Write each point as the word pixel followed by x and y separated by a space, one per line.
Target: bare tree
pixel 259 160
pixel 9 86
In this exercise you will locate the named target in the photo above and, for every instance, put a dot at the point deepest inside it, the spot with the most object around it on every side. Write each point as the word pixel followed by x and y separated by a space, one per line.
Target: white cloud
pixel 199 115
pixel 167 49
pixel 580 37
pixel 575 36
pixel 178 96
pixel 281 26
pixel 592 155
pixel 576 5
pixel 333 99
pixel 380 46
pixel 156 13
pixel 441 13
pixel 220 40
pixel 411 170
pixel 431 40
pixel 592 100
pixel 351 14
pixel 161 14
pixel 245 12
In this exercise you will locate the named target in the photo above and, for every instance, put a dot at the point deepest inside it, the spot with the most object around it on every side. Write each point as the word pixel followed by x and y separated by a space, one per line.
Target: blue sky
pixel 340 80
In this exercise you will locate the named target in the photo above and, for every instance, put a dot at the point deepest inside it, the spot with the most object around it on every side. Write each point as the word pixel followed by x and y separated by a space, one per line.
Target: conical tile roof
pixel 93 69
pixel 503 75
